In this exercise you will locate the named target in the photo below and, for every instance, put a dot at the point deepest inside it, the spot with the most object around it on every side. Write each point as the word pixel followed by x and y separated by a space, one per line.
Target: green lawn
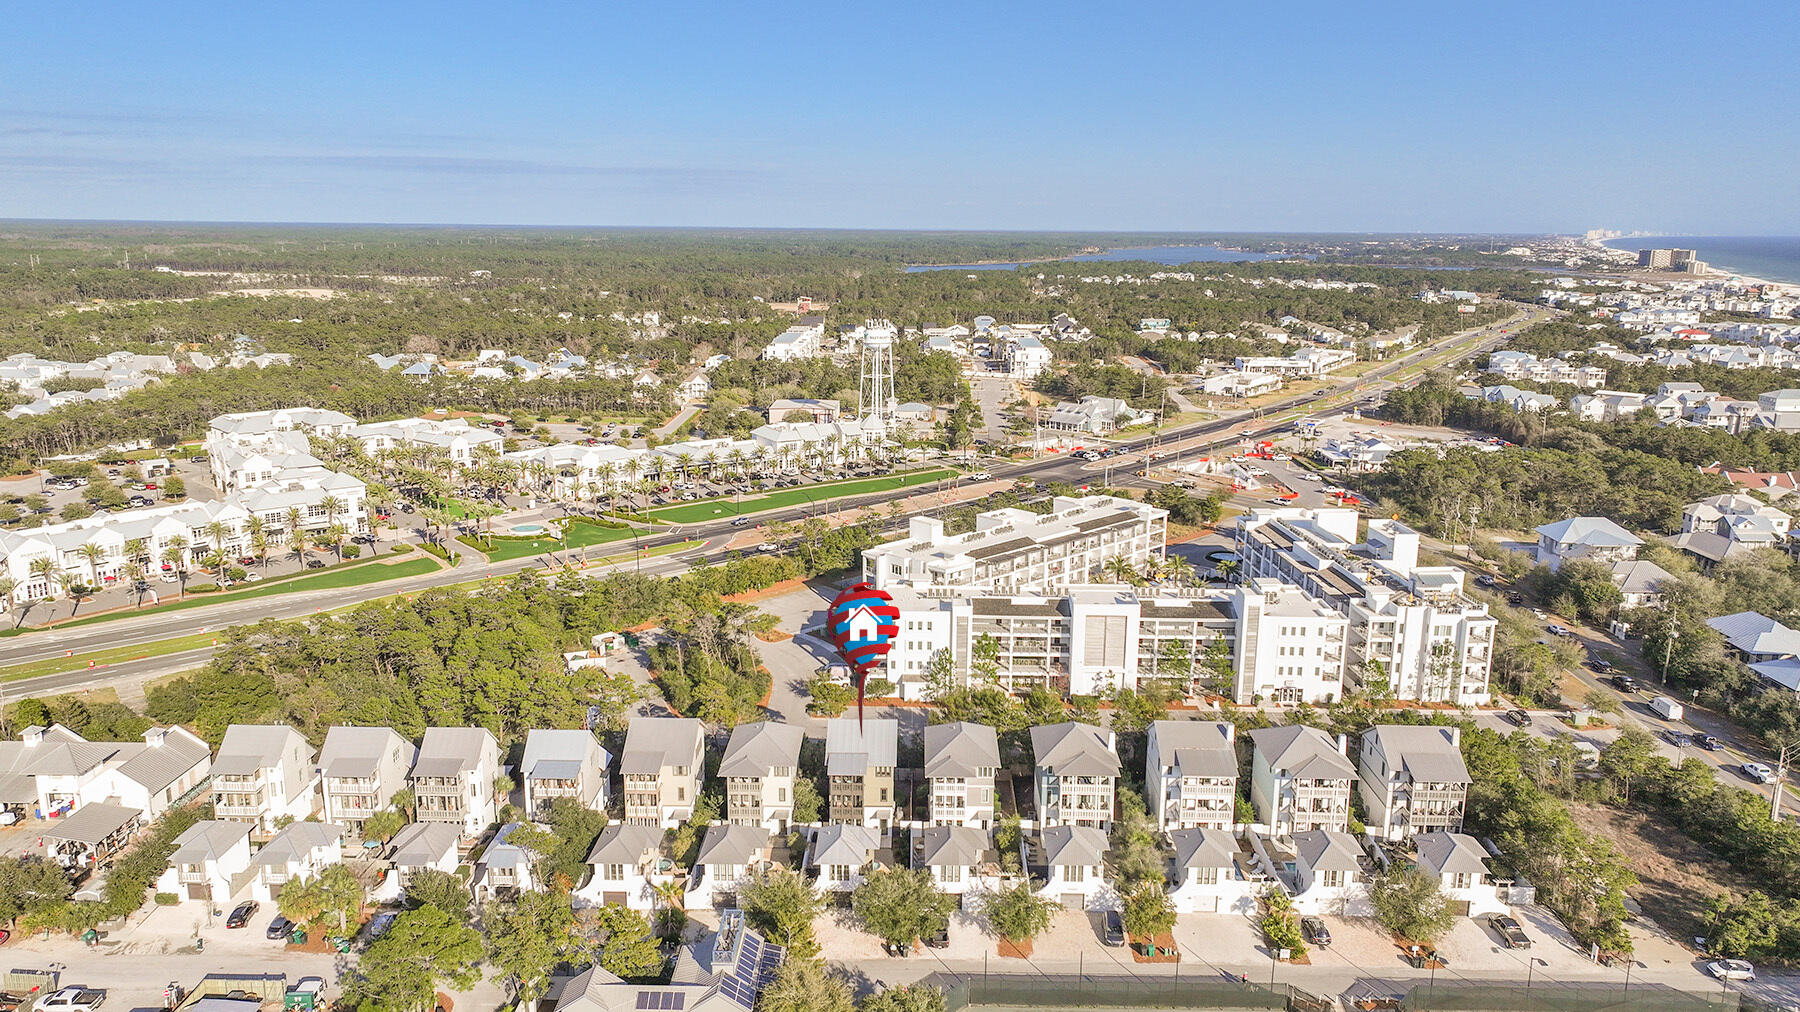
pixel 113 655
pixel 330 579
pixel 712 509
pixel 581 535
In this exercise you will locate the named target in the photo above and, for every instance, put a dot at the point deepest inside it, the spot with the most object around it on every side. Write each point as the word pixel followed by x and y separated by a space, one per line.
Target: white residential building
pixel 420 846
pixel 1027 358
pixel 1299 780
pixel 264 773
pixel 628 865
pixel 1206 876
pixel 504 868
pixel 1240 383
pixel 961 763
pixel 1190 774
pixel 841 856
pixel 362 768
pixel 796 342
pixel 54 772
pixel 1331 875
pixel 729 857
pixel 453 776
pixel 1411 622
pixel 1412 780
pixel 1460 867
pixel 1067 864
pixel 299 852
pixel 758 769
pixel 1593 539
pixel 563 764
pixel 1017 548
pixel 210 861
pixel 664 766
pixel 1076 774
pixel 859 771
pixel 459 441
pixel 961 859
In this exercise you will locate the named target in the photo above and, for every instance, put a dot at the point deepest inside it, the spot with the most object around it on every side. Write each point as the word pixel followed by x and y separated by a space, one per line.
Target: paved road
pixel 153 627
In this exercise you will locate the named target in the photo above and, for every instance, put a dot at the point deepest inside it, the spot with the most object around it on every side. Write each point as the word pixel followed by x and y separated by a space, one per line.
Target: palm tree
pixel 176 554
pixel 73 588
pixel 292 518
pixel 1177 570
pixel 93 555
pixel 605 472
pixel 332 506
pixel 7 586
pixel 44 568
pixel 684 462
pixel 1227 569
pixel 217 531
pixel 259 543
pixel 336 534
pixel 137 549
pixel 1121 569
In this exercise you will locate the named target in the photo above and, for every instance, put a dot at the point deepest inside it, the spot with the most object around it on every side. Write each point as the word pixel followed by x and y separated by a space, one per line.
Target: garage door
pixel 613 899
pixel 1206 905
pixel 1074 901
pixel 198 891
pixel 1458 908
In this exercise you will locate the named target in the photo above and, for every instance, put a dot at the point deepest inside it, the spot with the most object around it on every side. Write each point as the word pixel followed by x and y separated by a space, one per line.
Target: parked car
pixel 1758 772
pixel 1710 743
pixel 1519 717
pixel 86 999
pixel 1511 934
pixel 1317 934
pixel 242 914
pixel 378 926
pixel 1724 969
pixel 279 928
pixel 1113 933
pixel 315 563
pixel 1679 739
pixel 939 939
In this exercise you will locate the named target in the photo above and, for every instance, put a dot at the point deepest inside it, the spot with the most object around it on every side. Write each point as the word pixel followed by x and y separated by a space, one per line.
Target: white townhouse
pixel 1068 864
pixel 1205 876
pixel 54 772
pixel 310 421
pixel 664 766
pixel 264 773
pixel 1592 539
pixel 1190 774
pixel 1331 875
pixel 961 762
pixel 209 862
pixel 841 855
pixel 299 852
pixel 567 763
pixel 1459 865
pixel 504 868
pixel 628 865
pixel 460 442
pixel 758 770
pixel 362 768
pixel 1412 780
pixel 729 856
pixel 1299 780
pixel 420 847
pixel 1075 776
pixel 566 470
pixel 453 776
pixel 859 771
pixel 960 859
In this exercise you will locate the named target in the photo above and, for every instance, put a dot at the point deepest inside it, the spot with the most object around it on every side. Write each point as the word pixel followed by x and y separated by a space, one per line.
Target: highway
pixel 716 535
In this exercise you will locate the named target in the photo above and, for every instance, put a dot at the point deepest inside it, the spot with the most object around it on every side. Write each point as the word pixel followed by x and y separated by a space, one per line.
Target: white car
pixel 1762 775
pixel 1724 969
pixel 83 999
pixel 979 476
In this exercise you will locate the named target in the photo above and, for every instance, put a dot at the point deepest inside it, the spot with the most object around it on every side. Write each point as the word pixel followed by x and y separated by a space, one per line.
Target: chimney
pixel 33 735
pixel 155 736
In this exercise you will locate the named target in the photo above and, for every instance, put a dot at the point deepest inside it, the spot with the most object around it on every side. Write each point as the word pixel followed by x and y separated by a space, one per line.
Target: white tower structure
pixel 876 391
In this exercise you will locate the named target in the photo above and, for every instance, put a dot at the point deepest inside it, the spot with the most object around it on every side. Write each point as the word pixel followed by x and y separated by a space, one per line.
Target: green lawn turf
pixel 581 535
pixel 712 509
pixel 330 579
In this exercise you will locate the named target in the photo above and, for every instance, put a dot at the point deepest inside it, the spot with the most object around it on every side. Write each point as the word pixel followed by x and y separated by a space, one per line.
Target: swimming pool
pixel 528 528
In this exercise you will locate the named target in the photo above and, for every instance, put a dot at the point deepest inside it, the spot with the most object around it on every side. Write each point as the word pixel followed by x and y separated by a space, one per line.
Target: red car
pixel 149 486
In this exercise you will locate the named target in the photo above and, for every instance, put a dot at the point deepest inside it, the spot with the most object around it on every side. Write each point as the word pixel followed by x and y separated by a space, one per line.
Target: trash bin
pixel 297 937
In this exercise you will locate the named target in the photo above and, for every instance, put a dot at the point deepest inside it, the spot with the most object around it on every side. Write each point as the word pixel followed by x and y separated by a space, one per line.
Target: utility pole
pixel 1781 766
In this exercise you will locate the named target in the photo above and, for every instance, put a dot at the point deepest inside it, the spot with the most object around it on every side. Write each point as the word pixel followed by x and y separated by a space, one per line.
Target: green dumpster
pixel 297 937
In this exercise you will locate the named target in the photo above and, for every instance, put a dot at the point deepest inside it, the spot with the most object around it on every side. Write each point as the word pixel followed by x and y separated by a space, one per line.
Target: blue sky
pixel 1526 117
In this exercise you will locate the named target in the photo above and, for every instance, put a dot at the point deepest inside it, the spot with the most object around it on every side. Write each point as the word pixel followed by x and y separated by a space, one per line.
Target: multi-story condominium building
pixel 1077 772
pixel 1012 548
pixel 1190 774
pixel 758 769
pixel 961 763
pixel 1299 780
pixel 455 438
pixel 264 772
pixel 1290 645
pixel 796 342
pixel 563 764
pixel 664 766
pixel 1408 623
pixel 859 770
pixel 301 851
pixel 1412 780
pixel 453 778
pixel 362 769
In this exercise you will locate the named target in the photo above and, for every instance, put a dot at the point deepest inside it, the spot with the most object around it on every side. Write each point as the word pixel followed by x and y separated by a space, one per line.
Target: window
pixel 951 873
pixel 1074 873
pixel 781 794
pixel 615 872
pixel 681 794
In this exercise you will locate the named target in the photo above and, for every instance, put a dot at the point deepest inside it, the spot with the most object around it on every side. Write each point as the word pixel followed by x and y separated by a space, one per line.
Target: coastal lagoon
pixel 1171 255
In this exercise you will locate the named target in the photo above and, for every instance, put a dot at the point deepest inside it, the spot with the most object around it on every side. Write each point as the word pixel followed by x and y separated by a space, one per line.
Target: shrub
pixel 202 588
pixel 352 551
pixel 167 899
pixel 235 574
pixel 400 549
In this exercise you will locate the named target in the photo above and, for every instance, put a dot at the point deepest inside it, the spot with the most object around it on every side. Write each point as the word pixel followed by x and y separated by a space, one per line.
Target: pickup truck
pixel 73 999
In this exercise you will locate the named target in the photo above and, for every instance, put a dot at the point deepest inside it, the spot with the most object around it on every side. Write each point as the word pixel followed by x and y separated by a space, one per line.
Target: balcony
pixel 191 875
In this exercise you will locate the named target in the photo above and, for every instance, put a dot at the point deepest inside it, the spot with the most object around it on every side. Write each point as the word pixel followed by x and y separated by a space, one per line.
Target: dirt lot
pixel 1676 876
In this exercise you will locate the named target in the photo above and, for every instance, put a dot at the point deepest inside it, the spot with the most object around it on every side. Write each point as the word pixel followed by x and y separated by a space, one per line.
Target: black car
pixel 1519 717
pixel 241 916
pixel 1679 739
pixel 939 939
pixel 315 563
pixel 1113 933
pixel 1624 683
pixel 1317 934
pixel 1710 743
pixel 1601 666
pixel 279 928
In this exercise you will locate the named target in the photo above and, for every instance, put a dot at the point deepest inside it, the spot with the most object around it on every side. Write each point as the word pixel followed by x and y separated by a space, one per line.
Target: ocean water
pixel 1170 255
pixel 1770 257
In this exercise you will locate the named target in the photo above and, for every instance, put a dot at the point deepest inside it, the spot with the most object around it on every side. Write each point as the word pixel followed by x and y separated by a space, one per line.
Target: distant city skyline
pixel 1310 117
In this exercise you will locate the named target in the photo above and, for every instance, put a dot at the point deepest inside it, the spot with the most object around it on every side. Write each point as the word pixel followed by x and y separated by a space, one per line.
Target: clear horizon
pixel 1166 117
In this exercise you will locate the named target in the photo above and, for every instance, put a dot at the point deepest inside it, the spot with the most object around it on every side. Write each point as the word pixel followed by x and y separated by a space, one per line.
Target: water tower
pixel 876 391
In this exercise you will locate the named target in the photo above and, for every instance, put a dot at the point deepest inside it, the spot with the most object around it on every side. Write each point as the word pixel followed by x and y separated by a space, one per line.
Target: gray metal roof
pixel 1328 850
pixel 247 748
pixel 451 751
pixel 1450 853
pixel 1428 753
pixel 1074 750
pixel 208 840
pixel 1073 845
pixel 1202 848
pixel 93 823
pixel 854 746
pixel 733 844
pixel 294 842
pixel 424 843
pixel 652 743
pixel 358 751
pixel 620 843
pixel 1197 748
pixel 1303 751
pixel 954 845
pixel 757 748
pixel 544 747
pixel 851 845
pixel 166 756
pixel 961 749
